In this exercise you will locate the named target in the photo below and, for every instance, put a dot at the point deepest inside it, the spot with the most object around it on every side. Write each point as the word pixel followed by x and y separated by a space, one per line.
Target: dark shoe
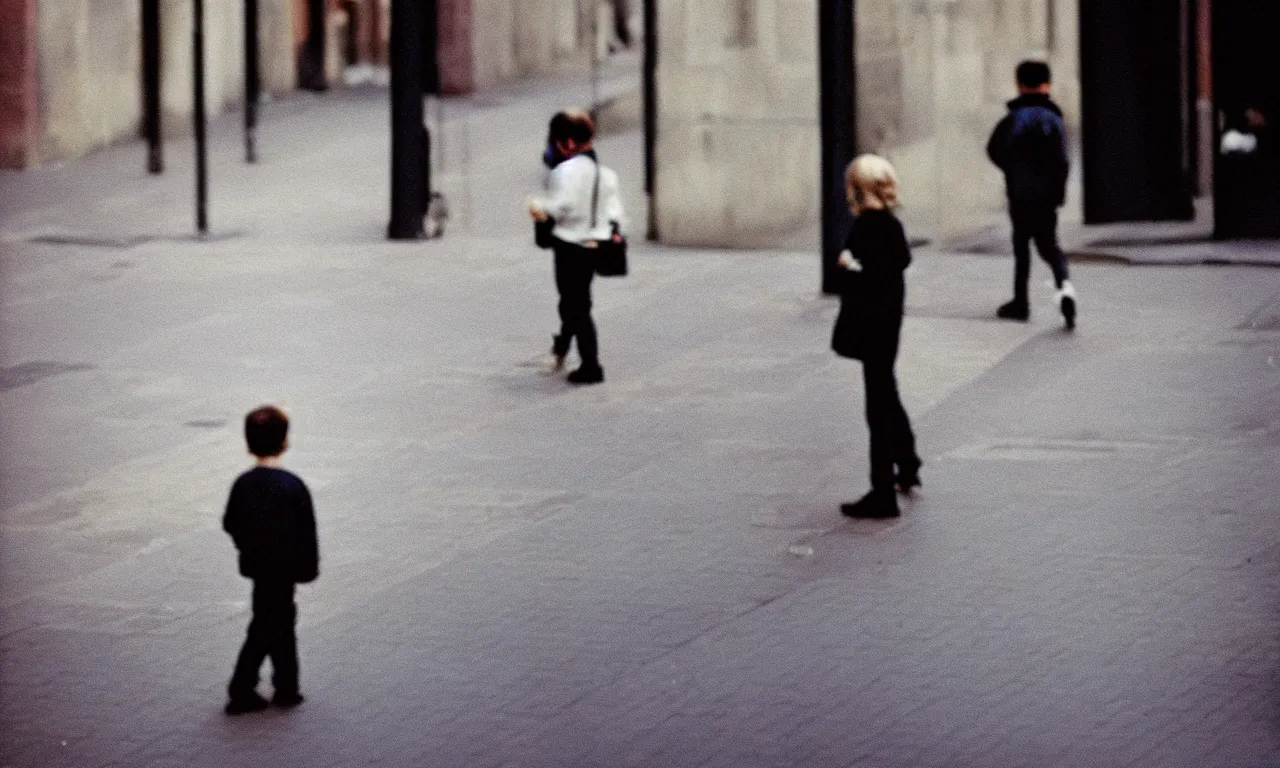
pixel 908 478
pixel 287 700
pixel 250 702
pixel 876 505
pixel 587 375
pixel 1014 310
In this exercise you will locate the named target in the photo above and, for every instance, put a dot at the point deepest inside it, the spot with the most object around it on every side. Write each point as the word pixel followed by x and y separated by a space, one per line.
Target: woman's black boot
pixel 879 504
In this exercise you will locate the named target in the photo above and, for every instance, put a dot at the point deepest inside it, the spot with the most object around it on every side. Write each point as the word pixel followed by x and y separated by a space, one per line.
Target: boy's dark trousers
pixel 1038 223
pixel 575 268
pixel 270 634
pixel 892 441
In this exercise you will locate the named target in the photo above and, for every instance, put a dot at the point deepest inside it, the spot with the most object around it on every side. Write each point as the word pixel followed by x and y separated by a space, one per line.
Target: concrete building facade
pixel 71 70
pixel 77 82
pixel 487 43
pixel 737 153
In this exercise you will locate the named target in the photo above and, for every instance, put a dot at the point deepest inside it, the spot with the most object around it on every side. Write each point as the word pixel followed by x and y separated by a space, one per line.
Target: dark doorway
pixel 1136 129
pixel 1246 81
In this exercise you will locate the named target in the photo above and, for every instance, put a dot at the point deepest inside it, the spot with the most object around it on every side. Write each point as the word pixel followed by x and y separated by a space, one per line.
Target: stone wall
pixel 933 78
pixel 738 158
pixel 737 153
pixel 19 109
pixel 487 43
pixel 88 64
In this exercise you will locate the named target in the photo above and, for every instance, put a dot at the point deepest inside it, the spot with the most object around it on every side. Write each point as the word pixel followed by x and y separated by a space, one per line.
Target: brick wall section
pixel 456 50
pixel 18 105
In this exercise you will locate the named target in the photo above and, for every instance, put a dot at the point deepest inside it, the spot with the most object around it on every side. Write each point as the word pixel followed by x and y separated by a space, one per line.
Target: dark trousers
pixel 270 634
pixel 575 268
pixel 892 441
pixel 1041 225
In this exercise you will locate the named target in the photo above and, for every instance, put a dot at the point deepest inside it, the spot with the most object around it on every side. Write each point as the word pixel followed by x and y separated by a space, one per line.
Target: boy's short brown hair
pixel 575 124
pixel 265 430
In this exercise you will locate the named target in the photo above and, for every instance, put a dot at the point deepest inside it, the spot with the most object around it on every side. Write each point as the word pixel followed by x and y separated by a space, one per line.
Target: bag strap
pixel 595 194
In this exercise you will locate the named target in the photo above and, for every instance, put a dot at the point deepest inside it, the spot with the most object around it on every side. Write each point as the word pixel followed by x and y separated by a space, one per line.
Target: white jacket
pixel 569 201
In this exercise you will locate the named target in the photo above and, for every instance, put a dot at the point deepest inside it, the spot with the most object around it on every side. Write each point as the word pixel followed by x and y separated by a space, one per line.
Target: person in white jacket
pixel 577 183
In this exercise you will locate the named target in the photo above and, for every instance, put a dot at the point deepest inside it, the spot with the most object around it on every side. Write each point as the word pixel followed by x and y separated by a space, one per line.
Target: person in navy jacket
pixel 1030 146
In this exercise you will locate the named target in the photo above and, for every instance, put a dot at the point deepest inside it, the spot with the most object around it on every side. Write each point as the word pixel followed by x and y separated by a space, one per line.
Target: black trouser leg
pixel 1021 256
pixel 271 633
pixel 574 272
pixel 891 438
pixel 1046 237
pixel 1040 225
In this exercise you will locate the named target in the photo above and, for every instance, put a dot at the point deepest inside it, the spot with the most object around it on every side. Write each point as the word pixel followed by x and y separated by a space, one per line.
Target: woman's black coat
pixel 872 299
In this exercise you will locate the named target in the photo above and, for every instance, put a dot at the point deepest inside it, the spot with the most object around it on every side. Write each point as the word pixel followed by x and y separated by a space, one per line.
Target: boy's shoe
pixel 251 702
pixel 1066 298
pixel 587 375
pixel 1014 310
pixel 554 361
pixel 552 364
pixel 877 505
pixel 287 700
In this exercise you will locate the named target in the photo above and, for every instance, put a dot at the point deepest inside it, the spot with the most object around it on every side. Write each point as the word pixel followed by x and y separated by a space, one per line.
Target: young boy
pixel 270 518
pixel 1030 146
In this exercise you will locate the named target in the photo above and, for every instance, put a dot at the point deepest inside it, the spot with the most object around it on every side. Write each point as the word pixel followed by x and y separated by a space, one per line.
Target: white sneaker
pixel 1065 298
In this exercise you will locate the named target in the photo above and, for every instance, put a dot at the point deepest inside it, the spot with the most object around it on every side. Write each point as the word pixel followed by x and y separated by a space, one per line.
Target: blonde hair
pixel 871 183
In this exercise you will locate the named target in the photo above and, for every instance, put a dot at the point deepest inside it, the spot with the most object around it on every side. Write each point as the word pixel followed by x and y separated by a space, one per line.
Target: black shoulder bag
pixel 542 232
pixel 611 254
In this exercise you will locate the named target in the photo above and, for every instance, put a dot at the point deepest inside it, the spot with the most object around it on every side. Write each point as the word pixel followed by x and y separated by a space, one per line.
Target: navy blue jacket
pixel 1030 146
pixel 270 518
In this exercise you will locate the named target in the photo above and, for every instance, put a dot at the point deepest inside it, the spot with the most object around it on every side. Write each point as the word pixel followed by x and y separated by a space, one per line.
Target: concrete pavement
pixel 650 572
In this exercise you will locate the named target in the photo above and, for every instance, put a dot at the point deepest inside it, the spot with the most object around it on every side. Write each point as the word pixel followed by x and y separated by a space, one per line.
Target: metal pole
pixel 252 81
pixel 650 109
pixel 836 52
pixel 595 59
pixel 408 139
pixel 311 73
pixel 151 84
pixel 202 176
pixel 1205 134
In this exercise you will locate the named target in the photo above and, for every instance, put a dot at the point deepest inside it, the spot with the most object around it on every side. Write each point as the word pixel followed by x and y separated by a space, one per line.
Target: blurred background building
pixel 734 135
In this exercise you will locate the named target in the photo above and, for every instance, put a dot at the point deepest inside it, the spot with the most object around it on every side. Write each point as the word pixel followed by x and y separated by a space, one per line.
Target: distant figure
pixel 580 191
pixel 622 23
pixel 270 518
pixel 872 300
pixel 1030 146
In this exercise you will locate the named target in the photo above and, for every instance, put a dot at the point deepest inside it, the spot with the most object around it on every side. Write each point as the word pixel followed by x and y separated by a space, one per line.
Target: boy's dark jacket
pixel 872 299
pixel 270 517
pixel 1030 146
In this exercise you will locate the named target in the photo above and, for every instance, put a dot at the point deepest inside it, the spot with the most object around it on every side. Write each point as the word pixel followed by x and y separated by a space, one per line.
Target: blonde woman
pixel 872 298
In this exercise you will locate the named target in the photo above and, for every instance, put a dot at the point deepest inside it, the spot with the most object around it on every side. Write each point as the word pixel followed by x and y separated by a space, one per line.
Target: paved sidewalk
pixel 652 572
